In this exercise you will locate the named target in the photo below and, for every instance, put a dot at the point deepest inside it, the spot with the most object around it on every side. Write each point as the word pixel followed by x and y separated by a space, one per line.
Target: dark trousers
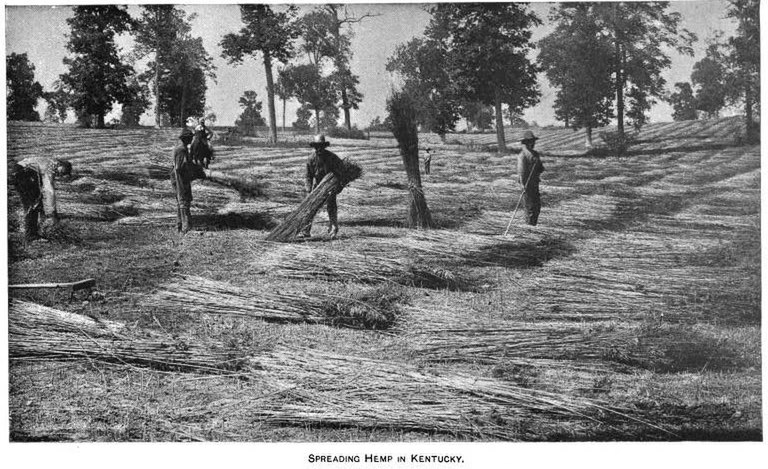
pixel 333 213
pixel 27 186
pixel 532 200
pixel 182 187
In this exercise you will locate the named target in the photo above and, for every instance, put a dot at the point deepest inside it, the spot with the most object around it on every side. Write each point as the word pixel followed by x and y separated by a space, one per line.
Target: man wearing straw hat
pixel 529 168
pixel 34 181
pixel 320 163
pixel 183 173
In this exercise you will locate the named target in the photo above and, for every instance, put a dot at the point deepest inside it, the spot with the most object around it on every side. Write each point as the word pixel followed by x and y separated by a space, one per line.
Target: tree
pixel 488 44
pixel 58 102
pixel 22 91
pixel 158 31
pixel 269 33
pixel 250 118
pixel 640 33
pixel 683 102
pixel 136 103
pixel 97 76
pixel 478 115
pixel 310 88
pixel 346 82
pixel 403 115
pixel 329 117
pixel 427 83
pixel 183 82
pixel 576 58
pixel 303 115
pixel 709 77
pixel 281 91
pixel 743 76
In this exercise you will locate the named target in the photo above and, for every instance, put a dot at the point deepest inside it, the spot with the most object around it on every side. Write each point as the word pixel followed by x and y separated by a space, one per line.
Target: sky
pixel 41 31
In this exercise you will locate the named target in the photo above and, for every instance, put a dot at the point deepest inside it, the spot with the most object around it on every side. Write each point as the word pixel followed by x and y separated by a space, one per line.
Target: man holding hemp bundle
pixel 320 163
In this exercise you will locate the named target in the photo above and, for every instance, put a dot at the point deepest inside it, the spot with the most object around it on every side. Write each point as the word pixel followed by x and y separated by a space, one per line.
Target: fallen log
pixel 306 211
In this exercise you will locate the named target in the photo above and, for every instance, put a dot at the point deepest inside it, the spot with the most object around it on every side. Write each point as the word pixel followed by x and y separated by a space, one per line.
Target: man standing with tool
pixel 183 173
pixel 529 169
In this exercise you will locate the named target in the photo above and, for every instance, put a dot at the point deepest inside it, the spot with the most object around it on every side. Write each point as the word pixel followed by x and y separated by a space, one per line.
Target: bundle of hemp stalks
pixel 303 215
pixel 37 332
pixel 302 262
pixel 326 389
pixel 374 308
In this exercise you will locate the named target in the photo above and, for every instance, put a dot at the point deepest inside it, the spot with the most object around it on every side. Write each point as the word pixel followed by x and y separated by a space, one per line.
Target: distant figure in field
pixel 427 161
pixel 529 169
pixel 183 173
pixel 201 148
pixel 320 163
pixel 34 182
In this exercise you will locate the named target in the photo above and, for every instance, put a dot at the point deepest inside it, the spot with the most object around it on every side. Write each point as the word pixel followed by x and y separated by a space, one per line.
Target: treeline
pixel 729 74
pixel 178 67
pixel 473 61
pixel 605 61
pixel 98 77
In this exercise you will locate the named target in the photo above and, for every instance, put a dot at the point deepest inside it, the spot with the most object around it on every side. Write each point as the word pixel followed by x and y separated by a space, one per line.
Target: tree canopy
pixel 268 33
pixel 488 45
pixel 428 83
pixel 309 87
pixel 22 90
pixel 683 102
pixel 576 58
pixel 641 33
pixel 97 76
pixel 158 33
pixel 250 119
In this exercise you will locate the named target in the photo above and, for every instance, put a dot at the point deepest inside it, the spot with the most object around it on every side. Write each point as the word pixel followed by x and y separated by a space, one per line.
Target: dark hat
pixel 528 136
pixel 319 142
pixel 186 133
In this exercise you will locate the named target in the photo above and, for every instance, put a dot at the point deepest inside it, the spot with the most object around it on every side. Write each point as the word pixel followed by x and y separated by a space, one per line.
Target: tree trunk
pixel 284 117
pixel 619 90
pixel 270 98
pixel 158 121
pixel 751 127
pixel 345 106
pixel 100 120
pixel 499 124
pixel 183 104
pixel 419 216
pixel 317 121
pixel 589 137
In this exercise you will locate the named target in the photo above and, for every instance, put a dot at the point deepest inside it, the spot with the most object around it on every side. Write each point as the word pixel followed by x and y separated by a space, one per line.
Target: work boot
pixel 333 230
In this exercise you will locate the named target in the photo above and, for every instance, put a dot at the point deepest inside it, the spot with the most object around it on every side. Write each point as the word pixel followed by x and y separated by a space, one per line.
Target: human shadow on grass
pixel 376 222
pixel 515 254
pixel 233 221
pixel 101 213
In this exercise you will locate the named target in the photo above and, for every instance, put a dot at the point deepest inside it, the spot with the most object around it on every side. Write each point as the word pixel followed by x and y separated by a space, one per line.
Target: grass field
pixel 632 312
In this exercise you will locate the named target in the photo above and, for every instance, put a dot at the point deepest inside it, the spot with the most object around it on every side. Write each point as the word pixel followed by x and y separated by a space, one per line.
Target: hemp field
pixel 632 312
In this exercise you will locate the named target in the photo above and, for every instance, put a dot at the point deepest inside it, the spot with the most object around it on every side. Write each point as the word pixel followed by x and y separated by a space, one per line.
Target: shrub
pixel 343 132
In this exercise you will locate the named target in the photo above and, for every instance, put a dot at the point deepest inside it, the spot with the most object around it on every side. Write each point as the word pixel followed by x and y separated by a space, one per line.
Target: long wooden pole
pixel 525 187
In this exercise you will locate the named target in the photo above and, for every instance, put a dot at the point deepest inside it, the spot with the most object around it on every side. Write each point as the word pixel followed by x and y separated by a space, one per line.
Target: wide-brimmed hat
pixel 319 142
pixel 528 136
pixel 186 133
